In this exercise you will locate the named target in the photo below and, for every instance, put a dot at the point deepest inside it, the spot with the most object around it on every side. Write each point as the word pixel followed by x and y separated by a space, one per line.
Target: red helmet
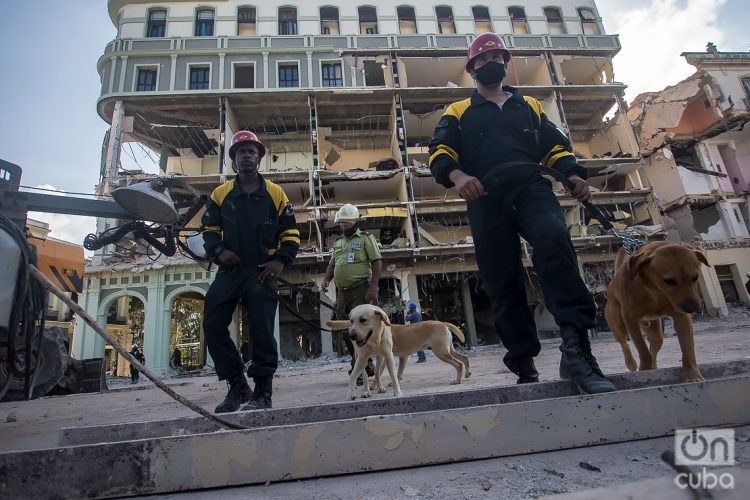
pixel 245 136
pixel 486 42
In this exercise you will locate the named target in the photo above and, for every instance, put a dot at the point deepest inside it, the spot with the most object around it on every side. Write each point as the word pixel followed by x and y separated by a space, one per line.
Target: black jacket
pixel 475 134
pixel 258 227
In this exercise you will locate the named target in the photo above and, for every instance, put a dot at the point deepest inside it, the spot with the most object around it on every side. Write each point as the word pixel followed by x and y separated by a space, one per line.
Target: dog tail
pixel 456 331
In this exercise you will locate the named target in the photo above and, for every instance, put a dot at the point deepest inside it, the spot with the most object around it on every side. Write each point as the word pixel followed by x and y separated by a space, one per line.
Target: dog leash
pixel 629 243
pixel 311 296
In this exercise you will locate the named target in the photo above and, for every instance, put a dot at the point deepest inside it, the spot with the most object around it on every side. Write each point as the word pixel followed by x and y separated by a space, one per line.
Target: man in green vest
pixel 355 268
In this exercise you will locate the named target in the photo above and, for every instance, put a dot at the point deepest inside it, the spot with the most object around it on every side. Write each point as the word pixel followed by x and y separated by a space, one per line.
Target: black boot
pixel 579 364
pixel 239 392
pixel 525 369
pixel 262 393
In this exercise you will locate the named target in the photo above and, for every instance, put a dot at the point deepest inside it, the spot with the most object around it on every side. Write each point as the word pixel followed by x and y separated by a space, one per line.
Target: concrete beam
pixel 354 445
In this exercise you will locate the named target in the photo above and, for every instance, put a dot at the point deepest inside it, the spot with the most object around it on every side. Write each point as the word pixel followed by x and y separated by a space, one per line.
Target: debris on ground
pixel 588 466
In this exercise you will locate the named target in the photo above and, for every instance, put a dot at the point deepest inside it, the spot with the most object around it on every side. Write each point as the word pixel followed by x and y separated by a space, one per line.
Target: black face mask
pixel 491 74
pixel 350 231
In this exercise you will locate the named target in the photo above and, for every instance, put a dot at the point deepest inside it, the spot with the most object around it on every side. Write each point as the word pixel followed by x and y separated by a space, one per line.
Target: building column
pixel 309 69
pixel 156 326
pixel 173 71
pixel 326 338
pixel 265 70
pixel 471 328
pixel 84 337
pixel 711 291
pixel 112 161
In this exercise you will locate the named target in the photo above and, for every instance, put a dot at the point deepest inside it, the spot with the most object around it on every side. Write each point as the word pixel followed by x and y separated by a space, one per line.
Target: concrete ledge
pixel 278 453
pixel 388 406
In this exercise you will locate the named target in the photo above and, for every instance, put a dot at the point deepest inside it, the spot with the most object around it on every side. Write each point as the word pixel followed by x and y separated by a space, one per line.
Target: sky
pixel 50 85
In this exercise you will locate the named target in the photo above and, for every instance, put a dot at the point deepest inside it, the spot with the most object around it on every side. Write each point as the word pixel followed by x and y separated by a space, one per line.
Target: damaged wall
pixel 709 224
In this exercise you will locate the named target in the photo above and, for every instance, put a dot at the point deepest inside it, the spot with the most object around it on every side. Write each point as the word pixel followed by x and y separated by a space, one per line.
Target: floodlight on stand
pixel 148 200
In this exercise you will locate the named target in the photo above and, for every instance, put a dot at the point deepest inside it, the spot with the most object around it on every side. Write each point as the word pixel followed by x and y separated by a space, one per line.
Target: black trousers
pixel 260 302
pixel 533 212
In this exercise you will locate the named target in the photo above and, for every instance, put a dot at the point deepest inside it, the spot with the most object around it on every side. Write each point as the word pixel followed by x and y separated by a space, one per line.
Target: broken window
pixel 407 20
pixel 146 80
pixel 445 20
pixel 287 21
pixel 204 22
pixel 554 20
pixel 329 21
pixel 368 21
pixel 244 76
pixel 746 86
pixel 588 21
pixel 482 22
pixel 246 21
pixel 331 75
pixel 518 20
pixel 157 23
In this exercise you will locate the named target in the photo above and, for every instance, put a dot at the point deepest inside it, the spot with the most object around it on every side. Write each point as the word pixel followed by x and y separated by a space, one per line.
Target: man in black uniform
pixel 249 228
pixel 498 125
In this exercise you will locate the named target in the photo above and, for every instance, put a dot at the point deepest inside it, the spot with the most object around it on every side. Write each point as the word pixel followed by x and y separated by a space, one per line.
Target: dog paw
pixel 455 382
pixel 694 377
pixel 398 394
pixel 352 396
pixel 382 389
pixel 366 395
pixel 467 375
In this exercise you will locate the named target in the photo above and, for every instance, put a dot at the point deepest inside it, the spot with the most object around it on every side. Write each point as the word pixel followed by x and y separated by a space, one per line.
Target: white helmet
pixel 347 213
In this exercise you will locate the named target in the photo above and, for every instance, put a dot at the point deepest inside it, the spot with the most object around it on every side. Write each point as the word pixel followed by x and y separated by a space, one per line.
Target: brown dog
pixel 659 279
pixel 371 332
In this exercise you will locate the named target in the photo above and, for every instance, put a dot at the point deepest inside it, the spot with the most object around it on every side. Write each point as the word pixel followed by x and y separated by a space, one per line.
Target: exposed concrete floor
pixel 37 423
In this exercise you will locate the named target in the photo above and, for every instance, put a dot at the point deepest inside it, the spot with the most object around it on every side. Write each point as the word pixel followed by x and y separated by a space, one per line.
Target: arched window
pixel 157 23
pixel 246 21
pixel 407 19
pixel 204 22
pixel 445 20
pixel 482 22
pixel 588 21
pixel 329 21
pixel 518 20
pixel 287 21
pixel 368 21
pixel 554 20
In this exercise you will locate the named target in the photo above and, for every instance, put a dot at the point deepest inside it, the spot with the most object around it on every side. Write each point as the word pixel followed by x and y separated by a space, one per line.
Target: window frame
pixel 588 22
pixel 477 20
pixel 329 20
pixel 290 62
pixel 241 8
pixel 197 22
pixel 244 63
pixel 360 22
pixel 525 20
pixel 413 19
pixel 439 23
pixel 332 62
pixel 285 24
pixel 149 12
pixel 197 65
pixel 560 20
pixel 137 68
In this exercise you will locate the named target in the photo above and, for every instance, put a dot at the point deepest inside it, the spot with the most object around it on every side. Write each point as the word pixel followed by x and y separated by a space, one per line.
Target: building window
pixel 518 20
pixel 329 21
pixel 407 20
pixel 588 21
pixel 204 22
pixel 445 20
pixel 746 86
pixel 554 20
pixel 288 75
pixel 200 78
pixel 287 21
pixel 157 23
pixel 244 76
pixel 146 80
pixel 368 21
pixel 246 21
pixel 331 75
pixel 482 23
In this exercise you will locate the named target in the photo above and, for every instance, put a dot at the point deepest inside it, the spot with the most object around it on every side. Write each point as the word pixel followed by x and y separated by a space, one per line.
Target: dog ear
pixel 339 324
pixel 383 316
pixel 636 262
pixel 701 256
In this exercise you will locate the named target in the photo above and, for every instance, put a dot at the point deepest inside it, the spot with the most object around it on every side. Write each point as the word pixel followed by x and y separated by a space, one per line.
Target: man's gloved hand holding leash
pixel 470 188
pixel 269 270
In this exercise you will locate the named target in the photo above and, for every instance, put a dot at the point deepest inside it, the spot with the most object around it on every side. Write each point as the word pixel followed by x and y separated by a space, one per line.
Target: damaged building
pixel 696 144
pixel 346 97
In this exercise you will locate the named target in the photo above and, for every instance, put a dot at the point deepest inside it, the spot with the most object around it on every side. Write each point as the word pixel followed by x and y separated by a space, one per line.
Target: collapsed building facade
pixel 346 97
pixel 696 144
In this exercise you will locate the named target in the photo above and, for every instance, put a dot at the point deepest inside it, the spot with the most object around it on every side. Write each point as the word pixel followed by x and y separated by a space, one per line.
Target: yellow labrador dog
pixel 405 340
pixel 659 279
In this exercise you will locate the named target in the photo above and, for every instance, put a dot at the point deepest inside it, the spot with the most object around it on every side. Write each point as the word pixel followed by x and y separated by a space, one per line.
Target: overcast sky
pixel 48 92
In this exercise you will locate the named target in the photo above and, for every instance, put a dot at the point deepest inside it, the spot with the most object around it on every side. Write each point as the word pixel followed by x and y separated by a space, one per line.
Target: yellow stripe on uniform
pixel 213 229
pixel 443 150
pixel 556 157
pixel 293 239
pixel 290 232
pixel 280 201
pixel 221 192
pixel 553 152
pixel 535 105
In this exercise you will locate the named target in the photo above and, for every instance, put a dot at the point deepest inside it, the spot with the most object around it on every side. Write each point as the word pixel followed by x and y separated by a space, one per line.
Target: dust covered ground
pixel 35 424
